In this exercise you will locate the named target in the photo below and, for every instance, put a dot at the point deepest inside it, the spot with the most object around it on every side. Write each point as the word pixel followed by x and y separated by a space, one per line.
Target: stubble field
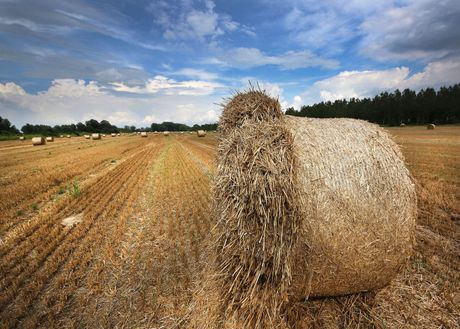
pixel 135 258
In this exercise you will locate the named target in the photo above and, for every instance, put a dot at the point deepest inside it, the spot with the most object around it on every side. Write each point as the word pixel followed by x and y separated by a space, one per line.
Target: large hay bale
pixel 38 141
pixel 50 139
pixel 144 134
pixel 201 133
pixel 95 136
pixel 305 207
pixel 431 126
pixel 166 133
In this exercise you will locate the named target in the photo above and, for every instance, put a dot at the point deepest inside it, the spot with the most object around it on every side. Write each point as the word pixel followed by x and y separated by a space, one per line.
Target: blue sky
pixel 138 62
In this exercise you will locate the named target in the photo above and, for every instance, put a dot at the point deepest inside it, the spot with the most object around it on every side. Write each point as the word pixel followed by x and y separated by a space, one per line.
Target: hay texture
pixel 38 141
pixel 143 134
pixel 201 133
pixel 95 136
pixel 305 207
pixel 50 139
pixel 431 126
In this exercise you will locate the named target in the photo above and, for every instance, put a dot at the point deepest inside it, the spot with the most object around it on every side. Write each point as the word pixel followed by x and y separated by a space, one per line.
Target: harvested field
pixel 135 254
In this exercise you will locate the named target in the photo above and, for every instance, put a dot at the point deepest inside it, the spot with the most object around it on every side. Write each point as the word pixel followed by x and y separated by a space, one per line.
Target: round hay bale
pixel 431 126
pixel 103 135
pixel 118 134
pixel 62 136
pixel 21 138
pixel 166 133
pixel 305 207
pixel 201 133
pixel 144 134
pixel 95 136
pixel 87 136
pixel 38 141
pixel 402 124
pixel 68 136
pixel 50 139
pixel 113 135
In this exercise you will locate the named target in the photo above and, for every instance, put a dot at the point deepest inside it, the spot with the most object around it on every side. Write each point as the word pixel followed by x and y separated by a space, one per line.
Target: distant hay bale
pixel 103 135
pixel 68 136
pixel 166 133
pixel 113 134
pixel 144 134
pixel 431 126
pixel 38 141
pixel 191 133
pixel 95 136
pixel 138 132
pixel 402 124
pixel 50 139
pixel 305 207
pixel 201 133
pixel 21 138
pixel 62 136
pixel 87 136
pixel 118 134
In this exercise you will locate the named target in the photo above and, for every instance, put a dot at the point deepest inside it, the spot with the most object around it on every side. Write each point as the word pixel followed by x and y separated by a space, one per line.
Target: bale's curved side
pixel 359 205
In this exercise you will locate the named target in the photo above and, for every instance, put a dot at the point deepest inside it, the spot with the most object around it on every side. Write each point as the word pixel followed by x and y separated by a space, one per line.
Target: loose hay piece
pixel 431 126
pixel 201 133
pixel 72 220
pixel 305 207
pixel 50 139
pixel 38 141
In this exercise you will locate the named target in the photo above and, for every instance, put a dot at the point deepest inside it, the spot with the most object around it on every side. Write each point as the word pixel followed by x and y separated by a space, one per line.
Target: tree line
pixel 93 125
pixel 408 107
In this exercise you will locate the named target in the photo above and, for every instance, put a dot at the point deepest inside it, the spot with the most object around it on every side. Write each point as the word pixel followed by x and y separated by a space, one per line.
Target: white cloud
pixel 161 84
pixel 71 101
pixel 192 20
pixel 246 58
pixel 360 84
pixel 11 88
pixel 196 73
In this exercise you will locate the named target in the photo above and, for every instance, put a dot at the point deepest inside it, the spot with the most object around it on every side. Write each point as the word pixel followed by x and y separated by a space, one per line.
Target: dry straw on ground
pixel 201 133
pixel 431 126
pixel 38 141
pixel 305 208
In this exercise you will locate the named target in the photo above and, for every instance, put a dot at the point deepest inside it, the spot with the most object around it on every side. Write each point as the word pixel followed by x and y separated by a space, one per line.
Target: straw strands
pixel 305 207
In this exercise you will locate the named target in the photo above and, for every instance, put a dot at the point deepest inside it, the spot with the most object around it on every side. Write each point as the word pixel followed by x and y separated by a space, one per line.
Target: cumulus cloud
pixel 71 101
pixel 348 84
pixel 246 58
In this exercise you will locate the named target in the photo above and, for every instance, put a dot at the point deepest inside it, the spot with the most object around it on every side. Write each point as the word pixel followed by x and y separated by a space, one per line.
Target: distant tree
pixel 6 127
